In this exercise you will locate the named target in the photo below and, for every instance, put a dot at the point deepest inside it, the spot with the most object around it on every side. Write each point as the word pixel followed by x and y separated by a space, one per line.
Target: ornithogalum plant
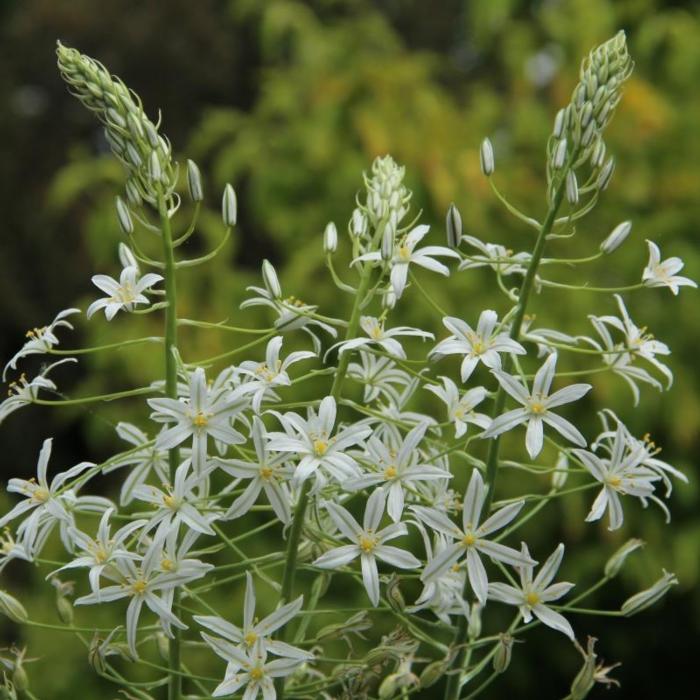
pixel 356 484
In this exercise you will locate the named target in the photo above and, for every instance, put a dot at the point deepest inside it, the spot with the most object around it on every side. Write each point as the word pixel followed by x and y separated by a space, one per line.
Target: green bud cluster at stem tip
pixel 387 196
pixel 578 127
pixel 133 137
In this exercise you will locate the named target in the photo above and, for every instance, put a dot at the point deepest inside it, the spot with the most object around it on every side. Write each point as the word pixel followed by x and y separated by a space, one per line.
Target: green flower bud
pixel 486 158
pixel 616 237
pixel 65 610
pixel 647 598
pixel 124 217
pixel 394 595
pixel 617 560
pixel 585 678
pixel 271 280
pixel 606 175
pixel 453 225
pixel 561 471
pixel 474 621
pixel 571 187
pixel 12 608
pixel 502 657
pixel 194 182
pixel 432 673
pixel 229 206
pixel 330 238
pixel 559 156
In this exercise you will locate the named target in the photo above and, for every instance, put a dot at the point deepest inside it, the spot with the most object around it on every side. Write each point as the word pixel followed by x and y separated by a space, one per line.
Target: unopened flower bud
pixel 394 595
pixel 229 206
pixel 585 678
pixel 486 157
pixel 616 237
pixel 124 217
pixel 163 646
pixel 19 678
pixel 127 257
pixel 389 298
pixel 571 187
pixel 358 225
pixel 132 194
pixel 474 621
pixel 501 659
pixel 561 471
pixel 155 172
pixel 645 599
pixel 194 181
pixel 12 608
pixel 617 560
pixel 453 225
pixel 64 609
pixel 588 133
pixel 387 247
pixel 271 280
pixel 606 175
pixel 559 123
pixel 7 689
pixel 586 114
pixel 432 673
pixel 330 238
pixel 559 156
pixel 388 687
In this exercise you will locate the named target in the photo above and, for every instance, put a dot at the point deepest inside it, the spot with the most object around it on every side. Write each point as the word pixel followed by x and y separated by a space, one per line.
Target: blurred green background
pixel 290 101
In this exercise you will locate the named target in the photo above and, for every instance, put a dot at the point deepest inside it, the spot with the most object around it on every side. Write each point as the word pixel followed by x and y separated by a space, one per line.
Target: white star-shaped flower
pixel 124 294
pixel 482 345
pixel 537 406
pixel 460 409
pixel 660 273
pixel 533 595
pixel 368 543
pixel 472 538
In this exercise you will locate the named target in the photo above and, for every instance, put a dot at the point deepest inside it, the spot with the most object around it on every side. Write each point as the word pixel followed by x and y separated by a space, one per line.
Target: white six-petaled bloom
pixel 41 340
pixel 472 538
pixel 536 407
pixel 482 345
pixel 312 441
pixel 368 543
pixel 205 413
pixel 269 473
pixel 44 499
pixel 660 273
pixel 377 335
pixel 124 294
pixel 262 377
pixel 495 256
pixel 533 595
pixel 378 375
pixel 178 503
pixel 255 635
pixel 398 468
pixel 141 580
pixel 460 409
pixel 405 253
pixel 622 473
pixel 23 392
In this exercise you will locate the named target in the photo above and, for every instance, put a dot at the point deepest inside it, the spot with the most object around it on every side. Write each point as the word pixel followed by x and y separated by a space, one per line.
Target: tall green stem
pixel 300 510
pixel 175 680
pixel 453 681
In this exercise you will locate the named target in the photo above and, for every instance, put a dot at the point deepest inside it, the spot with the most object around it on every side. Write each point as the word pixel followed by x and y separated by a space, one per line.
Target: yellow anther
pixel 101 555
pixel 256 673
pixel 404 253
pixel 41 495
pixel 478 347
pixel 167 565
pixel 250 638
pixel 139 586
pixel 200 420
pixel 614 481
pixel 390 472
pixel 537 407
pixel 367 544
pixel 320 447
pixel 468 539
pixel 169 501
pixel 376 332
pixel 266 473
pixel 532 598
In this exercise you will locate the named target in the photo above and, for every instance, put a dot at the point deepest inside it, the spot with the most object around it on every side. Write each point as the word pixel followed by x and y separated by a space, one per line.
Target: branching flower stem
pixel 175 680
pixel 452 688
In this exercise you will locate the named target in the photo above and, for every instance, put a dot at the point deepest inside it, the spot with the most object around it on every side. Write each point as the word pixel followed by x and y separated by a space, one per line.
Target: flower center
pixel 404 253
pixel 169 501
pixel 320 447
pixel 537 407
pixel 256 673
pixel 266 473
pixel 390 472
pixel 468 539
pixel 41 495
pixel 532 598
pixel 478 346
pixel 167 564
pixel 200 420
pixel 101 555
pixel 376 332
pixel 139 586
pixel 367 543
pixel 614 481
pixel 250 638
